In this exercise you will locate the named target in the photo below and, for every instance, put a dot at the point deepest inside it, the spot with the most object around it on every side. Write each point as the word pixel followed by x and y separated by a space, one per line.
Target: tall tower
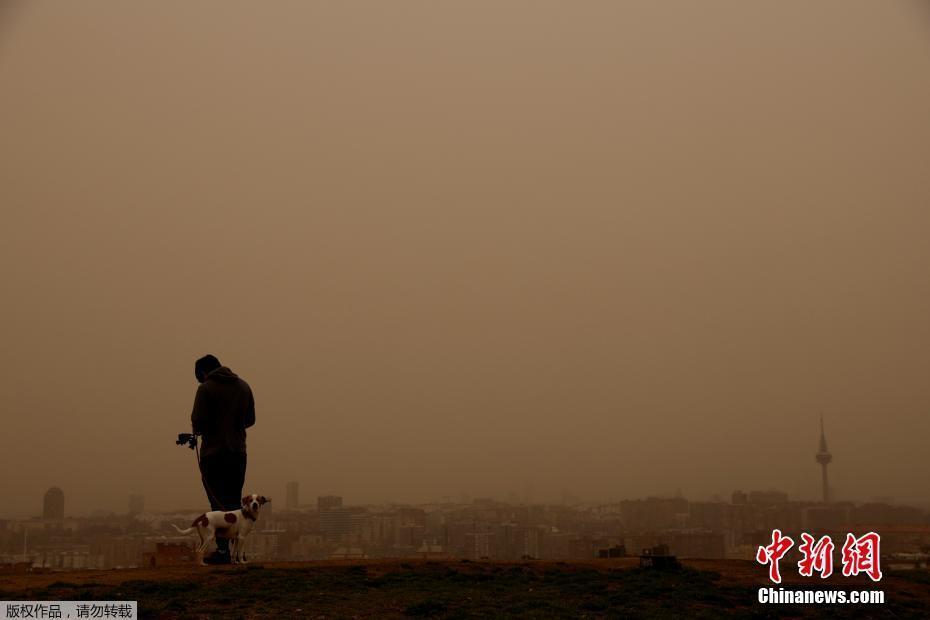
pixel 53 505
pixel 824 457
pixel 292 500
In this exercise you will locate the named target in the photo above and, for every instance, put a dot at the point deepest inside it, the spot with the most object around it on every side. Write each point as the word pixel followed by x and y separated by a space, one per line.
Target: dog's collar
pixel 248 515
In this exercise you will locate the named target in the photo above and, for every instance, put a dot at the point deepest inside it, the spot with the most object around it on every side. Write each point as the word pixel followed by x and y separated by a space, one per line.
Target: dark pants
pixel 224 474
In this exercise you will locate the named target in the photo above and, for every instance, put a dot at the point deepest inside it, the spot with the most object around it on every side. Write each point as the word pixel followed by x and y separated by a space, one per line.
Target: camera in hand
pixel 187 438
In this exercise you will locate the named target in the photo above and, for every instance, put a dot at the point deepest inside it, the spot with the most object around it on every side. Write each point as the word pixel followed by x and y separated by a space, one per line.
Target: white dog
pixel 234 525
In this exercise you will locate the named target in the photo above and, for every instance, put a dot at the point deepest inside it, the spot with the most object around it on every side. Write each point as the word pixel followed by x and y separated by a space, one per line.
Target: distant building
pixel 267 512
pixel 410 536
pixel 653 513
pixel 136 505
pixel 310 547
pixel 292 500
pixel 616 551
pixel 707 515
pixel 328 502
pixel 885 514
pixel 265 544
pixel 585 547
pixel 335 522
pixel 827 518
pixel 768 498
pixel 432 552
pixel 477 545
pixel 53 506
pixel 699 544
pixel 348 553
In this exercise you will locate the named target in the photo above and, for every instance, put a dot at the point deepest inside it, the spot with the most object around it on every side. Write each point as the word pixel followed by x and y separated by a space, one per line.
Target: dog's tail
pixel 180 531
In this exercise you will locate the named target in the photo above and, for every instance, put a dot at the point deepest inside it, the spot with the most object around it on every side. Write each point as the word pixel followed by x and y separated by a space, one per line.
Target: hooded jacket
pixel 223 409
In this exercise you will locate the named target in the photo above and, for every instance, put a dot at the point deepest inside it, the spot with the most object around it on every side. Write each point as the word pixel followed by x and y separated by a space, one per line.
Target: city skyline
pixel 479 528
pixel 292 492
pixel 516 528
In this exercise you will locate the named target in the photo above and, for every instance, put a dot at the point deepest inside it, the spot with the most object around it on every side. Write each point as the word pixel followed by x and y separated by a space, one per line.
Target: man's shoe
pixel 217 557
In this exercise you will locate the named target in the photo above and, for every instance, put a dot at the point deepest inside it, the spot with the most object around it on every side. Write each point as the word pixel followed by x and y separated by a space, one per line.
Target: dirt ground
pixel 462 589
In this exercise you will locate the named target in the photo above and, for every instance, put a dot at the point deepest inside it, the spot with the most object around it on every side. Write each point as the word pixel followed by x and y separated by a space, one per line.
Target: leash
pixel 204 479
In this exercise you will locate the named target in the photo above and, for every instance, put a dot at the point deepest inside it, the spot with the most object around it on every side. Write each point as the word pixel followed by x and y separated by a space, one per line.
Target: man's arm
pixel 250 412
pixel 199 420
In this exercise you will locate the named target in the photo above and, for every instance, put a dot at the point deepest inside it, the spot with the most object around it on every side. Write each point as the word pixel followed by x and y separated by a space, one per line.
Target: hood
pixel 223 375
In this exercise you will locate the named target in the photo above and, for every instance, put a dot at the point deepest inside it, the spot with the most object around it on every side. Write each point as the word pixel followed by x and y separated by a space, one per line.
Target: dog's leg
pixel 241 547
pixel 198 549
pixel 203 547
pixel 234 550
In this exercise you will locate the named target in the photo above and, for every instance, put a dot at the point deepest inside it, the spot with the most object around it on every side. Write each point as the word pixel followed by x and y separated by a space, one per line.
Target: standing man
pixel 223 409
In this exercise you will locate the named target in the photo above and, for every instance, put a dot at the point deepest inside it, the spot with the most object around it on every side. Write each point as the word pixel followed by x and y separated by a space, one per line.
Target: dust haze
pixel 614 249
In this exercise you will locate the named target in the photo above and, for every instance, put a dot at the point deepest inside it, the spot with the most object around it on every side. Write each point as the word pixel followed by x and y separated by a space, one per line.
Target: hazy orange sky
pixel 619 248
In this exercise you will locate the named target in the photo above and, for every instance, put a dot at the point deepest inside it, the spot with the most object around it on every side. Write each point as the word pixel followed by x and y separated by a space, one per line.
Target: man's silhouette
pixel 223 409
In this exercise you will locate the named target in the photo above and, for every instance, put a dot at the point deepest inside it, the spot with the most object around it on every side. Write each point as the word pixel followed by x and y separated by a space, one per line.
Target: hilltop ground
pixel 462 589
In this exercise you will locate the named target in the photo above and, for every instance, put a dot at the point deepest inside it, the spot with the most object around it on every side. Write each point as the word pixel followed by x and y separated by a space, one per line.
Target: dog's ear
pixel 245 500
pixel 263 499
